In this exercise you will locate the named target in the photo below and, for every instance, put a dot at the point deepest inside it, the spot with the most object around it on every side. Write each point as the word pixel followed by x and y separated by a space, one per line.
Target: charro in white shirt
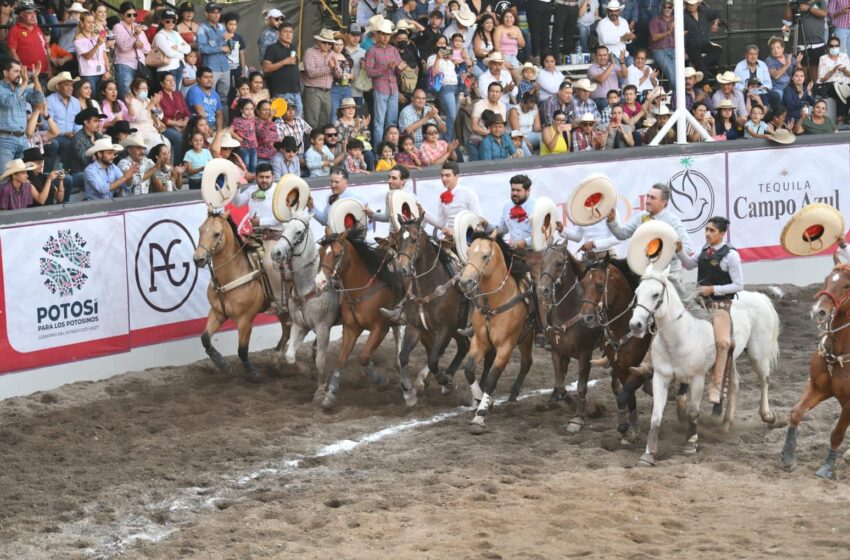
pixel 259 204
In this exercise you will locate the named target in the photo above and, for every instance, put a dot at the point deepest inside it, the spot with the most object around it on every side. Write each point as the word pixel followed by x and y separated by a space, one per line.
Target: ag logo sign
pixel 692 195
pixel 165 273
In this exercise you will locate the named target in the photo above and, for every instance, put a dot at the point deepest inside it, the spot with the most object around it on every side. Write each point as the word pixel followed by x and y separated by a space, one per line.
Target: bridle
pixel 300 238
pixel 651 326
pixel 556 281
pixel 602 313
pixel 412 258
pixel 479 274
pixel 827 341
pixel 333 277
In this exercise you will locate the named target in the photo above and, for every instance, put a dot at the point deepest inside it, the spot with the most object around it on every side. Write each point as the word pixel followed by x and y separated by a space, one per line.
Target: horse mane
pixel 689 299
pixel 374 258
pixel 303 215
pixel 234 227
pixel 442 256
pixel 518 266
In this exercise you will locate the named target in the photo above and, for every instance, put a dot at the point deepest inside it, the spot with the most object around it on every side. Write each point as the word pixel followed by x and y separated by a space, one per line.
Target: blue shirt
pixel 63 115
pixel 489 149
pixel 321 216
pixel 211 102
pixel 515 228
pixel 13 106
pixel 98 179
pixel 210 42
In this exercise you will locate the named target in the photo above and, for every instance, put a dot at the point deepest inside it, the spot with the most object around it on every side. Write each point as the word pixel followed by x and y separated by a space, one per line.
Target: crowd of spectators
pixel 99 105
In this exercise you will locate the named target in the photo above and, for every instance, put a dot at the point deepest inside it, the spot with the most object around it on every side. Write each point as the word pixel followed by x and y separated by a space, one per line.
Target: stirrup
pixel 394 315
pixel 466 331
pixel 642 371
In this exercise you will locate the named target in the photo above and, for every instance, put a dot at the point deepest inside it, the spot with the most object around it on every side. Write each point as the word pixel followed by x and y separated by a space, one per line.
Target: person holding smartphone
pixel 53 182
pixel 91 51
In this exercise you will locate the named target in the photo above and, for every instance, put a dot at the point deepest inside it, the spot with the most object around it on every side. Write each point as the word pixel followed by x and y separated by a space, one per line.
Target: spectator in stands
pixel 187 27
pixel 139 182
pixel 418 114
pixel 50 186
pixel 112 107
pixel 525 117
pixel 368 8
pixel 528 84
pixel 817 122
pixel 285 160
pixel 26 42
pixel 7 18
pixel 644 11
pixel 497 144
pixel 662 42
pixel 432 31
pixel 342 76
pixel 564 26
pixel 726 124
pixel 102 177
pixel 549 78
pixel 91 51
pixel 14 97
pixel 145 109
pixel 408 78
pixel 479 128
pixel 295 126
pixel 280 64
pixel 205 101
pixel 752 67
pixel 727 90
pixel 175 114
pixel 357 54
pixel 633 110
pixel 16 191
pixel 318 157
pixel 258 91
pixel 706 121
pixel 755 127
pixel 618 133
pixel 662 115
pixel 131 46
pixel 614 32
pixel 236 57
pixel 354 161
pixel 266 131
pixel 196 159
pixel 692 93
pixel 613 98
pixel 408 154
pixel 495 73
pixel 63 107
pixel 539 16
pixel 213 41
pixel 582 103
pixel 834 68
pixel 586 137
pixel 166 178
pixel 172 45
pixel 563 102
pixel 780 65
pixel 437 63
pixel 777 119
pixel 392 134
pixel 700 22
pixel 606 73
pixel 797 95
pixel 839 17
pixel 812 35
pixel 509 40
pixel 65 40
pixel 640 74
pixel 387 151
pixel 587 20
pixel 244 130
pixel 350 124
pixel 319 66
pixel 226 147
pixel 482 42
pixel 435 151
pixel 754 97
pixel 270 33
pixel 382 62
pixel 333 143
pixel 556 136
pixel 463 24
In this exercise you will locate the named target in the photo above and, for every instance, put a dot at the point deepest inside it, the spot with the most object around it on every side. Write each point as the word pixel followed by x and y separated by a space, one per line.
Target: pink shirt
pixel 125 51
pixel 90 66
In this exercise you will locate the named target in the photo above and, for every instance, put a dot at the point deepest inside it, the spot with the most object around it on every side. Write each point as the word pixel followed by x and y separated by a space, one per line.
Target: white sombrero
pixel 466 223
pixel 654 242
pixel 592 200
pixel 345 214
pixel 812 230
pixel 290 196
pixel 543 218
pixel 220 182
pixel 782 136
pixel 402 203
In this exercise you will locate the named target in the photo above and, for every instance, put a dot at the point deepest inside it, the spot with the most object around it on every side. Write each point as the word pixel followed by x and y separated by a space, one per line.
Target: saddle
pixel 256 253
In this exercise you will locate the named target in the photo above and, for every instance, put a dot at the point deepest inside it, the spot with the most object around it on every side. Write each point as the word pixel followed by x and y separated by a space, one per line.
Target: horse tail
pixel 763 314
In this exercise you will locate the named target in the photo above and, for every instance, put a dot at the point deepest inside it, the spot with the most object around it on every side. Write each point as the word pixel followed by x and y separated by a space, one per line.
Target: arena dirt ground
pixel 190 463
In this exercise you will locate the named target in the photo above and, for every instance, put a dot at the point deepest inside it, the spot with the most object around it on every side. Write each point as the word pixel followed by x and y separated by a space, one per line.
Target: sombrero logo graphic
pixel 66 260
pixel 692 195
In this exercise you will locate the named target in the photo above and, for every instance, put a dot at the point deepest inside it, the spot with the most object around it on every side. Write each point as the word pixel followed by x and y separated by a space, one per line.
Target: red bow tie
pixel 518 214
pixel 446 197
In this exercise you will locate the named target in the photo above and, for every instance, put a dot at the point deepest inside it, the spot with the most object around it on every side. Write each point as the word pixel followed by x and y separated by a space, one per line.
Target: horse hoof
pixel 318 396
pixel 410 398
pixel 477 426
pixel 646 460
pixel 252 374
pixel 629 437
pixel 825 472
pixel 727 427
pixel 328 402
pixel 446 390
pixel 690 448
pixel 847 456
pixel 575 425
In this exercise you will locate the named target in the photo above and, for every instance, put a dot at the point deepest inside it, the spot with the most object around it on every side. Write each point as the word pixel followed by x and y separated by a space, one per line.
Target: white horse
pixel 310 309
pixel 683 350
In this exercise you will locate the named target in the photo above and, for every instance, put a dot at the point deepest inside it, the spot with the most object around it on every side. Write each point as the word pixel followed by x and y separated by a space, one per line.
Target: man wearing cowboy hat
pixel 50 185
pixel 497 144
pixel 382 62
pixel 463 23
pixel 582 103
pixel 16 191
pixel 613 31
pixel 63 107
pixel 692 95
pixel 280 65
pixel 662 42
pixel 319 66
pixel 720 277
pixel 212 43
pixel 700 22
pixel 586 137
pixel 140 182
pixel 89 121
pixel 496 73
pixel 727 81
pixel 270 33
pixel 14 97
pixel 416 115
pixel 102 177
pixel 26 42
pixel 286 159
pixel 66 35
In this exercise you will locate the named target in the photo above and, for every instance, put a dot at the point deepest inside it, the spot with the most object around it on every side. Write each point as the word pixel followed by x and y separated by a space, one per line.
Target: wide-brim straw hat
pixel 218 193
pixel 592 200
pixel 54 82
pixel 654 242
pixel 374 22
pixel 614 6
pixel 228 141
pixel 464 16
pixel 726 104
pixel 325 36
pixel 728 77
pixel 691 72
pixel 103 145
pixel 587 117
pixel 76 8
pixel 402 205
pixel 782 136
pixel 134 141
pixel 494 56
pixel 529 66
pixel 543 218
pixel 466 223
pixel 290 196
pixel 661 110
pixel 584 84
pixel 345 214
pixel 347 102
pixel 385 26
pixel 812 230
pixel 17 166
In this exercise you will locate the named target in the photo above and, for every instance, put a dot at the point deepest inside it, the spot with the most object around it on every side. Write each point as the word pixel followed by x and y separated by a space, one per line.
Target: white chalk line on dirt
pixel 189 504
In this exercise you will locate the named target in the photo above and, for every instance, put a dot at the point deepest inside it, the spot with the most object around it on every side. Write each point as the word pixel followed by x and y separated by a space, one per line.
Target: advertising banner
pixel 65 291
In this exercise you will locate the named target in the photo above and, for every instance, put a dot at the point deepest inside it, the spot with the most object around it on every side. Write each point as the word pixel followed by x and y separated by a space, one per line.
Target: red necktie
pixel 710 252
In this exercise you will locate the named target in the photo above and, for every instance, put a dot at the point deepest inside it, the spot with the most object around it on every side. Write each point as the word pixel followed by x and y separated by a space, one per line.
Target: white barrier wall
pixel 86 287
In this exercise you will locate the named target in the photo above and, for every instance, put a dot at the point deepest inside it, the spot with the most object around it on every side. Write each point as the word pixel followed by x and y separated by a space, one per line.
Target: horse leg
pixel 827 469
pixel 525 348
pixel 408 390
pixel 244 326
pixel 762 368
pixel 732 404
pixel 810 399
pixel 477 352
pixel 323 337
pixel 441 341
pixel 660 386
pixel 296 337
pixel 376 336
pixel 488 385
pixel 398 340
pixel 577 422
pixel 349 338
pixel 213 324
pixel 695 390
pixel 560 363
pixel 627 410
pixel 682 402
pixel 285 332
pixel 462 350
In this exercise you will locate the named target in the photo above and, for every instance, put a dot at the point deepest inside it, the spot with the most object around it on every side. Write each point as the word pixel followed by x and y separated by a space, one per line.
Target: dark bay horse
pixel 561 294
pixel 829 368
pixel 365 285
pixel 434 309
pixel 607 305
pixel 501 321
pixel 235 291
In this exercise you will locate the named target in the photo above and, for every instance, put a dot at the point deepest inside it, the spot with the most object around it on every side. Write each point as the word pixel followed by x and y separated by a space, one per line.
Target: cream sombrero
pixel 654 242
pixel 17 166
pixel 466 223
pixel 813 229
pixel 782 136
pixel 290 196
pixel 220 182
pixel 402 204
pixel 543 218
pixel 345 214
pixel 592 200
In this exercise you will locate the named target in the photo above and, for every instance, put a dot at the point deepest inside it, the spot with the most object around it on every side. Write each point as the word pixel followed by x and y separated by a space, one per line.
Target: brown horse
pixel 607 305
pixel 500 319
pixel 235 291
pixel 366 285
pixel 434 308
pixel 829 368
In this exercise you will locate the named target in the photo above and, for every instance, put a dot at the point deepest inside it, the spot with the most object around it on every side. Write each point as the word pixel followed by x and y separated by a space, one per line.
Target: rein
pixel 287 271
pixel 370 286
pixel 827 341
pixel 210 256
pixel 605 323
pixel 413 290
pixel 553 304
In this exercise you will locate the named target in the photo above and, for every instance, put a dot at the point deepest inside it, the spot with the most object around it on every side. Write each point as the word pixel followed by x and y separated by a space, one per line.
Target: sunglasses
pixel 332 134
pixel 130 15
pixel 288 151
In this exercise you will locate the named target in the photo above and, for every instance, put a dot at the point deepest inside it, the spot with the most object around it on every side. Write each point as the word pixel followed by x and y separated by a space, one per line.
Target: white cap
pixel 275 13
pixel 517 134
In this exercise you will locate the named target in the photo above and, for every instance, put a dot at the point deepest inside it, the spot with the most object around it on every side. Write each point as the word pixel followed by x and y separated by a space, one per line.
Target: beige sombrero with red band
pixel 466 223
pixel 592 200
pixel 290 196
pixel 346 214
pixel 812 230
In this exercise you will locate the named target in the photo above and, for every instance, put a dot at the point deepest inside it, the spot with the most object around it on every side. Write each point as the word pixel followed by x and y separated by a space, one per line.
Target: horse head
pixel 331 257
pixel 482 259
pixel 835 294
pixel 651 300
pixel 596 298
pixel 560 268
pixel 407 244
pixel 295 239
pixel 212 236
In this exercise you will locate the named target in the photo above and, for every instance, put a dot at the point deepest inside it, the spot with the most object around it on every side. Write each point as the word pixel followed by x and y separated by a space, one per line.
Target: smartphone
pixel 59 166
pixel 103 33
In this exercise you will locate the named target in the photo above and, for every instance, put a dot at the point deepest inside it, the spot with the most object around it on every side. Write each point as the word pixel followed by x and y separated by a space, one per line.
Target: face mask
pixel 834 51
pixel 143 94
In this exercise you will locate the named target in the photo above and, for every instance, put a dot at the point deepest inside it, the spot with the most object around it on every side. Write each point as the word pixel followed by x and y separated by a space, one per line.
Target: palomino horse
pixel 309 309
pixel 500 320
pixel 366 286
pixel 235 291
pixel 561 293
pixel 683 349
pixel 829 368
pixel 434 308
pixel 607 305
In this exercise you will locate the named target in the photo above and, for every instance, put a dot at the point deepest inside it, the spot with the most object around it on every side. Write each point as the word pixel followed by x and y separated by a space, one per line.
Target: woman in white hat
pixel 16 191
pixel 349 124
pixel 227 147
pixel 725 123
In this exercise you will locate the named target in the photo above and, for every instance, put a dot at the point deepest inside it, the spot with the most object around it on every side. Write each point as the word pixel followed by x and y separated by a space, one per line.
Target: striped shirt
pixel 317 72
pixel 378 60
pixel 839 18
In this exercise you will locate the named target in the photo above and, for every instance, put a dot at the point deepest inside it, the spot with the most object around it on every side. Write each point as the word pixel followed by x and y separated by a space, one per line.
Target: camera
pixel 795 8
pixel 445 52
